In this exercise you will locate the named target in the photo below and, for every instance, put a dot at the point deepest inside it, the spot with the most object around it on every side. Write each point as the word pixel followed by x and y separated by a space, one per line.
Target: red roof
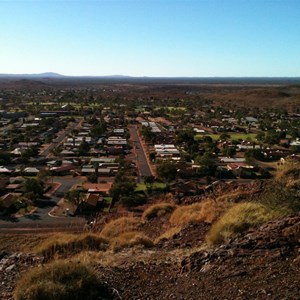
pixel 99 187
pixel 92 199
pixel 235 166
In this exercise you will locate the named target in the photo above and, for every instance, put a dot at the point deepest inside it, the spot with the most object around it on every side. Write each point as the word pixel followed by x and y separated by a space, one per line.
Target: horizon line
pixel 54 74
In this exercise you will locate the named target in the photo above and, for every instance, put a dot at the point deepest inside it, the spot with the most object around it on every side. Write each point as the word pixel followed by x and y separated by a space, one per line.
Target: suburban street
pixel 40 219
pixel 140 155
pixel 60 138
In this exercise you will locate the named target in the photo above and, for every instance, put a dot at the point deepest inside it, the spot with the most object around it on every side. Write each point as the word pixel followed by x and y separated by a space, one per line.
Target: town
pixel 69 153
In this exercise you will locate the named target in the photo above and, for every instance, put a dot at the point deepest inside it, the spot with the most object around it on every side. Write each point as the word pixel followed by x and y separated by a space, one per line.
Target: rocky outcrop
pixel 12 265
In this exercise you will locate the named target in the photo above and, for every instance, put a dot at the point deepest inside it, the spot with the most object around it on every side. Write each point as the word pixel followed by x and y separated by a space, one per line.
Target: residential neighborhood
pixel 83 154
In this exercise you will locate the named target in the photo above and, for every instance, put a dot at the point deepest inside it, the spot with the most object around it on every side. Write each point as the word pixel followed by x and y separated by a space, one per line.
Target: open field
pixel 156 186
pixel 233 136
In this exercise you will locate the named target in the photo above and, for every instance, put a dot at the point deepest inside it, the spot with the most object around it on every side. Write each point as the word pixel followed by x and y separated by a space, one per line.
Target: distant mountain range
pixel 51 78
pixel 56 75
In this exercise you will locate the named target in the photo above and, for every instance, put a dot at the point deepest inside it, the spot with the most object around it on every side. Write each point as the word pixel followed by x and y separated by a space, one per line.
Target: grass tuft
pixel 158 210
pixel 116 227
pixel 60 281
pixel 64 245
pixel 131 239
pixel 239 219
pixel 206 211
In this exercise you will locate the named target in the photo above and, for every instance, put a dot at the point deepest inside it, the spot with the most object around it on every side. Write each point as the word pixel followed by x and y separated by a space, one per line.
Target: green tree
pixel 148 135
pixel 224 137
pixel 92 178
pixel 43 175
pixel 149 181
pixel 208 164
pixel 84 148
pixel 33 188
pixel 229 151
pixel 122 189
pixel 167 171
pixel 74 196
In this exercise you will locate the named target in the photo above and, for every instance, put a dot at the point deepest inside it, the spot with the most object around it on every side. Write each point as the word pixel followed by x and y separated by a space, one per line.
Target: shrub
pixel 239 219
pixel 131 239
pixel 61 281
pixel 64 245
pixel 206 211
pixel 158 210
pixel 119 226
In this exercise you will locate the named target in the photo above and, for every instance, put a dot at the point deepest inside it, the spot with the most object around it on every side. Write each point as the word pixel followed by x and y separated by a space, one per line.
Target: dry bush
pixel 116 227
pixel 293 184
pixel 169 234
pixel 61 281
pixel 239 219
pixel 206 211
pixel 158 210
pixel 131 239
pixel 289 173
pixel 64 245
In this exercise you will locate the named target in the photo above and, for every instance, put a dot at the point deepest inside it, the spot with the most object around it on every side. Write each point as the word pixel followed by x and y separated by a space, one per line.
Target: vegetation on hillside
pixel 61 281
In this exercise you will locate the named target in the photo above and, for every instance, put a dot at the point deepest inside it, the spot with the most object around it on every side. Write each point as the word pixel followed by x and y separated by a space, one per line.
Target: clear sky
pixel 151 37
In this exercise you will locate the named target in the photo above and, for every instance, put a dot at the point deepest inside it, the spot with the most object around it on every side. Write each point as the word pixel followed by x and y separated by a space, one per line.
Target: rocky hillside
pixel 264 264
pixel 241 242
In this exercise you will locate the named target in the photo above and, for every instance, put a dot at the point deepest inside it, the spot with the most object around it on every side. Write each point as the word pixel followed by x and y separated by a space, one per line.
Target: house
pixel 98 188
pixel 62 170
pixel 166 150
pixel 4 170
pixel 199 131
pixel 7 202
pixel 116 140
pixel 30 171
pixel 14 187
pixel 91 202
pixel 232 159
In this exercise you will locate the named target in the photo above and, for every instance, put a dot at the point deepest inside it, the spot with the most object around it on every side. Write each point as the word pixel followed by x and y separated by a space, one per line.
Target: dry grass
pixel 239 219
pixel 158 210
pixel 232 197
pixel 65 245
pixel 206 211
pixel 21 242
pixel 60 281
pixel 169 234
pixel 131 239
pixel 288 173
pixel 293 184
pixel 119 226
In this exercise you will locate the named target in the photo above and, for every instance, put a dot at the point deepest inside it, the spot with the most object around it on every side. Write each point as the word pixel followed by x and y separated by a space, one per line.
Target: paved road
pixel 40 220
pixel 60 138
pixel 142 163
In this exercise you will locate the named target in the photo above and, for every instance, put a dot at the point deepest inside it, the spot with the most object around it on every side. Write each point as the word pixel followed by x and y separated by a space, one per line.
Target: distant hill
pixel 40 75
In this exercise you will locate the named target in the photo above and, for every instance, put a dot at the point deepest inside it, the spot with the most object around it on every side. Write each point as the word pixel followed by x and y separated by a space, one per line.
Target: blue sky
pixel 151 37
